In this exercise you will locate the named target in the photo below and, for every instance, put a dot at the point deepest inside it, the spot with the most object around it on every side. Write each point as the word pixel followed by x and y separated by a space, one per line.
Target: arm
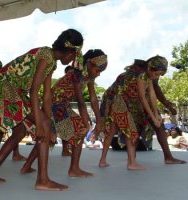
pixel 162 98
pixel 142 92
pixel 35 102
pixel 95 106
pixel 47 97
pixel 81 104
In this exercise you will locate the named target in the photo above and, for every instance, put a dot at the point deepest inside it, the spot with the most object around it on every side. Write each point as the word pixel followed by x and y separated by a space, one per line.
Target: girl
pixel 72 127
pixel 20 103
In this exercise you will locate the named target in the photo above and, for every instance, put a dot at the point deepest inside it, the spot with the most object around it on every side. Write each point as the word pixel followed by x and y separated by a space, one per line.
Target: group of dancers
pixel 129 105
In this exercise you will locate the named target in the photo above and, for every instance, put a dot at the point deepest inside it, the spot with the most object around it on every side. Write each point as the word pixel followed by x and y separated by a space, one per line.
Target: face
pixel 155 74
pixel 93 70
pixel 68 57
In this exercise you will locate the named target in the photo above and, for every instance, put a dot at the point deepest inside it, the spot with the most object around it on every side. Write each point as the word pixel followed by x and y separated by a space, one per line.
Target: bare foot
pixel 2 180
pixel 103 164
pixel 174 161
pixel 79 173
pixel 18 158
pixel 50 186
pixel 25 170
pixel 135 166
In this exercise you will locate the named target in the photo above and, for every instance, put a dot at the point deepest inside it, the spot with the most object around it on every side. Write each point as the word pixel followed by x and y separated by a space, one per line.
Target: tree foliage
pixel 180 56
pixel 176 88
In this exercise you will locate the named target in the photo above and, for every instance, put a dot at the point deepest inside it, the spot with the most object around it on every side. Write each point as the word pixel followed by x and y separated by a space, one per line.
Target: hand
pixel 171 107
pixel 157 122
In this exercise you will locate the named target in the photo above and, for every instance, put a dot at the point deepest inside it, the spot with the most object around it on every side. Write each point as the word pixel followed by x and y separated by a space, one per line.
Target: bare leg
pixel 161 137
pixel 107 141
pixel 131 151
pixel 27 166
pixel 43 182
pixel 16 156
pixel 74 169
pixel 18 134
pixel 67 149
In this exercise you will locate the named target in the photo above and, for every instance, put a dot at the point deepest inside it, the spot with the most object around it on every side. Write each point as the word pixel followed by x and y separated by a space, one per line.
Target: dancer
pixel 127 84
pixel 21 105
pixel 72 127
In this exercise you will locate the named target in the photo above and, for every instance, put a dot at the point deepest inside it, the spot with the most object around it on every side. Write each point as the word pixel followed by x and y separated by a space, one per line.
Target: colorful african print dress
pixel 122 105
pixel 15 82
pixel 69 125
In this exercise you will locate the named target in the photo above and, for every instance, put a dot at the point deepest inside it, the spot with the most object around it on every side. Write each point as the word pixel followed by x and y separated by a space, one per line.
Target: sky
pixel 124 29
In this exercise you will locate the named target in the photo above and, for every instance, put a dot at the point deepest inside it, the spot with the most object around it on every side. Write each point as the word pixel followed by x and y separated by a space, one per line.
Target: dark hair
pixel 70 35
pixel 67 68
pixel 92 53
pixel 140 63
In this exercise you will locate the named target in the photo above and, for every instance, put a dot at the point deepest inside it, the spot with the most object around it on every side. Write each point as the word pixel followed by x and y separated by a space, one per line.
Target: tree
pixel 180 56
pixel 99 91
pixel 176 88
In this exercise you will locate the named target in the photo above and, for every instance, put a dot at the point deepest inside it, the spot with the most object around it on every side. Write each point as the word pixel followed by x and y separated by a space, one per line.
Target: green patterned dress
pixel 15 82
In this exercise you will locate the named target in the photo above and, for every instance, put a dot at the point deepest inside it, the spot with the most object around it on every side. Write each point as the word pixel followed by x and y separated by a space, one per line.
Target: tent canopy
pixel 10 9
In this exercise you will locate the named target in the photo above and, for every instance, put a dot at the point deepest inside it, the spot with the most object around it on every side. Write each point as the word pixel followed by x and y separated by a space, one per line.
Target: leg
pixel 74 170
pixel 161 137
pixel 131 151
pixel 43 182
pixel 16 156
pixel 18 133
pixel 27 166
pixel 67 149
pixel 106 144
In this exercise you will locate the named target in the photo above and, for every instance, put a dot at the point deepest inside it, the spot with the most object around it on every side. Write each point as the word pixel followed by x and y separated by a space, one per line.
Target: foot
pixel 25 170
pixel 103 164
pixel 2 180
pixel 18 158
pixel 79 173
pixel 50 186
pixel 135 166
pixel 174 161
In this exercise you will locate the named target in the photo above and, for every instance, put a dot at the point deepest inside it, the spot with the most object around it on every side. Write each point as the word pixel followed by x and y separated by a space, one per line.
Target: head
pixel 95 61
pixel 68 68
pixel 68 46
pixel 156 67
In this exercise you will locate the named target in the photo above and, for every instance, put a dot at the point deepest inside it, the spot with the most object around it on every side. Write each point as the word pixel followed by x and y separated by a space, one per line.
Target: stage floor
pixel 158 182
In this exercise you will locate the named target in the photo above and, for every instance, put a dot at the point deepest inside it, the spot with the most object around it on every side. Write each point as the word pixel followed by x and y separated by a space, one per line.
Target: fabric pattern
pixel 69 125
pixel 121 100
pixel 15 82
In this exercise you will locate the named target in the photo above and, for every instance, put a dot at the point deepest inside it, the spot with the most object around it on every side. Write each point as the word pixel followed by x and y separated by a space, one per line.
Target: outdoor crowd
pixel 129 106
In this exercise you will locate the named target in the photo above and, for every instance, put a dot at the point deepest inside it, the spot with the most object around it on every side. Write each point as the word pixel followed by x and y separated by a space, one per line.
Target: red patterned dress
pixel 15 82
pixel 121 104
pixel 69 125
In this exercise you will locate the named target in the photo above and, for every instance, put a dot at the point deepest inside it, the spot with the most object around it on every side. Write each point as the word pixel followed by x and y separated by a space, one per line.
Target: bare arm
pixel 47 97
pixel 142 95
pixel 81 104
pixel 95 106
pixel 35 102
pixel 161 97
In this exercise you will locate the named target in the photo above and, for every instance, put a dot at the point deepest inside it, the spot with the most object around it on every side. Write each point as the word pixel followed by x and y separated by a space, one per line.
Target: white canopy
pixel 10 9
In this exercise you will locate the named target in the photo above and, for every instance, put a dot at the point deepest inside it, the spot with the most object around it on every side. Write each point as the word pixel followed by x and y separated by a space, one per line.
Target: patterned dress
pixel 15 82
pixel 69 125
pixel 121 104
